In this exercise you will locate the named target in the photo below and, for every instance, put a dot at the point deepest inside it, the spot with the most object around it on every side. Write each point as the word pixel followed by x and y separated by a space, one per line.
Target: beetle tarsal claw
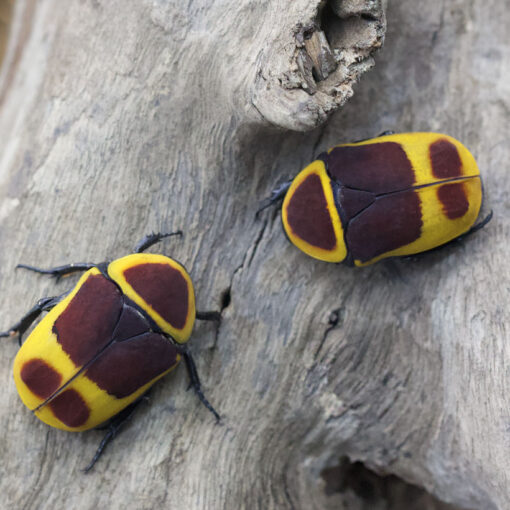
pixel 10 333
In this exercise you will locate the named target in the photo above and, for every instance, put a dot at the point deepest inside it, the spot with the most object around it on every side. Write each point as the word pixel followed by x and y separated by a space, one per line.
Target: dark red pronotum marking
pixel 308 214
pixel 41 379
pixel 86 325
pixel 70 408
pixel 378 167
pixel 454 200
pixel 164 288
pixel 445 159
pixel 391 222
pixel 126 366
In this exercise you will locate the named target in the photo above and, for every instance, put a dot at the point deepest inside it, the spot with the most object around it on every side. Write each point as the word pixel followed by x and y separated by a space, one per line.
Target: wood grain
pixel 118 118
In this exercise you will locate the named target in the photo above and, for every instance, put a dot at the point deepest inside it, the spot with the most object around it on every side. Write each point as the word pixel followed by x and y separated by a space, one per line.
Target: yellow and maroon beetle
pixel 103 345
pixel 390 196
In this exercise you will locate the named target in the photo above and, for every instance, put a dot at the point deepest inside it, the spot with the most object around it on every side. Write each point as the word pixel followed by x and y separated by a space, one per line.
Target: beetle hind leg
pixel 113 427
pixel 472 230
pixel 478 226
pixel 151 239
pixel 195 381
pixel 461 238
pixel 43 305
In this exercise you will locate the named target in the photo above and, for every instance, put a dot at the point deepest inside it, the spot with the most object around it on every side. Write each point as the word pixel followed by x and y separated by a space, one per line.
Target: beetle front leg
pixel 276 196
pixel 195 381
pixel 43 305
pixel 388 132
pixel 60 271
pixel 151 239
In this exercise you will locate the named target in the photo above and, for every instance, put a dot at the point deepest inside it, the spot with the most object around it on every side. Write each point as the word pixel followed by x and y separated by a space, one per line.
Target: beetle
pixel 101 347
pixel 390 196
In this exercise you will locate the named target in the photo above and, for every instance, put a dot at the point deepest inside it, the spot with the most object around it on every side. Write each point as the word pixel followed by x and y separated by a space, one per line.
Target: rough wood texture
pixel 118 118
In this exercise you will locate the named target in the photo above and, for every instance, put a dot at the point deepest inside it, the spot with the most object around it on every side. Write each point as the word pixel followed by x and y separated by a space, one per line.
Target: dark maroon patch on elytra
pixel 378 167
pixel 454 200
pixel 126 366
pixel 41 379
pixel 353 201
pixel 390 222
pixel 70 408
pixel 164 288
pixel 445 159
pixel 87 323
pixel 308 215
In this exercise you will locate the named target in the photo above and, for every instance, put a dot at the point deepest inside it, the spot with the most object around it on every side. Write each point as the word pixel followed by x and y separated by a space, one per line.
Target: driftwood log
pixel 122 117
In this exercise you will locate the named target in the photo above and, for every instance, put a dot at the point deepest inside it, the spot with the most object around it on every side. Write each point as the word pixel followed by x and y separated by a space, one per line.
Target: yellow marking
pixel 116 271
pixel 437 228
pixel 417 147
pixel 102 406
pixel 340 251
pixel 42 343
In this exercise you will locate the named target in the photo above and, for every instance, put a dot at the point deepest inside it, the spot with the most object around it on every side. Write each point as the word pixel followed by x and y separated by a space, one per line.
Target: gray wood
pixel 118 118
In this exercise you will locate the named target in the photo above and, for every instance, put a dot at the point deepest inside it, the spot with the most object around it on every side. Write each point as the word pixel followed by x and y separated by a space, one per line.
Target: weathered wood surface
pixel 118 118
pixel 5 21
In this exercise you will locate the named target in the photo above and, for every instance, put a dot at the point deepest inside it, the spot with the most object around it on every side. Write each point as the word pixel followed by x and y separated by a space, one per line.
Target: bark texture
pixel 119 118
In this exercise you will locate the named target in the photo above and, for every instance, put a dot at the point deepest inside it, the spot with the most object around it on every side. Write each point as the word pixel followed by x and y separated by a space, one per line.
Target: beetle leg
pixel 208 316
pixel 476 227
pixel 195 381
pixel 388 132
pixel 60 271
pixel 43 305
pixel 472 230
pixel 276 195
pixel 152 239
pixel 113 428
pixel 461 238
